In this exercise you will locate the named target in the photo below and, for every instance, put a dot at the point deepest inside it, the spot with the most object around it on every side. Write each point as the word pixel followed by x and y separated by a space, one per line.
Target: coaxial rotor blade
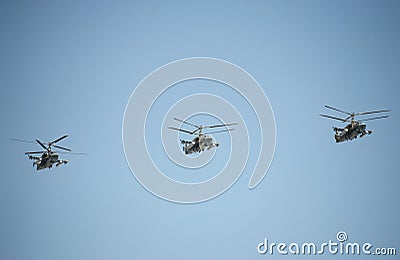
pixel 222 125
pixel 37 152
pixel 347 118
pixel 336 109
pixel 181 130
pixel 42 145
pixel 59 139
pixel 185 122
pixel 220 131
pixel 195 130
pixel 372 112
pixel 62 148
pixel 73 153
pixel 23 141
pixel 374 118
pixel 333 117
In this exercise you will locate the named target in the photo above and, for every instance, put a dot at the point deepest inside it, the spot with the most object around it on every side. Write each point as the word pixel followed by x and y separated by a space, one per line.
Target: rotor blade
pixel 34 152
pixel 42 145
pixel 333 117
pixel 220 131
pixel 222 125
pixel 347 118
pixel 72 153
pixel 181 130
pixel 372 112
pixel 336 109
pixel 194 131
pixel 373 118
pixel 23 141
pixel 185 122
pixel 59 139
pixel 62 148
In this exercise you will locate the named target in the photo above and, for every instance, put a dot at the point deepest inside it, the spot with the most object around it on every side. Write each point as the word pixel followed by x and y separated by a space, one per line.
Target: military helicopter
pixel 48 156
pixel 356 127
pixel 203 140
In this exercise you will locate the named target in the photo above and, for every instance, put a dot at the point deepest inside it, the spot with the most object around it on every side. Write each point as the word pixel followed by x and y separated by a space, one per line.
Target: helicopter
pixel 356 127
pixel 203 140
pixel 48 157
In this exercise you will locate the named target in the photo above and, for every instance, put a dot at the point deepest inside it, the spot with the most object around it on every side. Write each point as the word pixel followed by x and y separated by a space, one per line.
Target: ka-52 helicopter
pixel 48 156
pixel 202 140
pixel 356 127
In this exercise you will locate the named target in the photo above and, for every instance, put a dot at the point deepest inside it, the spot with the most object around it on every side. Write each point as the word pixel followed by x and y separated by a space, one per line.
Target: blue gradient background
pixel 70 66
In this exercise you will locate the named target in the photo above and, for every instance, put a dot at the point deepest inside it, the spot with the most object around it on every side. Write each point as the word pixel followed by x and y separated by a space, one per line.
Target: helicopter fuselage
pixel 351 131
pixel 199 144
pixel 47 160
pixel 47 157
pixel 203 140
pixel 356 127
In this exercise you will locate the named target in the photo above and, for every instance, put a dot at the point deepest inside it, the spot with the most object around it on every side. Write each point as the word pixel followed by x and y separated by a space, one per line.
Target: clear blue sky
pixel 69 67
